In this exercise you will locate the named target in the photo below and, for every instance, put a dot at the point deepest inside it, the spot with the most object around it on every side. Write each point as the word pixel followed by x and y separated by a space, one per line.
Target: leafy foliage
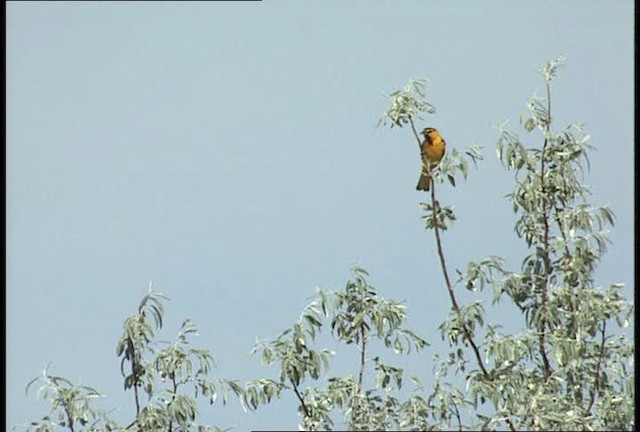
pixel 71 405
pixel 407 104
pixel 571 368
pixel 559 374
pixel 356 316
pixel 160 369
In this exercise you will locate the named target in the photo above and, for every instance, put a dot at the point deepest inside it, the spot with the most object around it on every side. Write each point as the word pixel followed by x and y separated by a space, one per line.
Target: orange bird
pixel 432 150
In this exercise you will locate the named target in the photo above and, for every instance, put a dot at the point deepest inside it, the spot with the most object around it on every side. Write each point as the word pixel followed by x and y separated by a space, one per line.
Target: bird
pixel 431 150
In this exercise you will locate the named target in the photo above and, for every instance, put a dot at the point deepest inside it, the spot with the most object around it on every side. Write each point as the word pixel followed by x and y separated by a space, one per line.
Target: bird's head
pixel 428 130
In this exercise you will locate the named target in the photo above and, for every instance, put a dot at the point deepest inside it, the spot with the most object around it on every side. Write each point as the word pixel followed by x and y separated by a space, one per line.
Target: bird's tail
pixel 424 183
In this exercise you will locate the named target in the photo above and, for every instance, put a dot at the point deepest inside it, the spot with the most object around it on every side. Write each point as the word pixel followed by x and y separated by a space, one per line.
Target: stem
pixel 173 398
pixel 443 264
pixel 363 350
pixel 455 407
pixel 307 411
pixel 134 372
pixel 363 345
pixel 415 132
pixel 547 260
pixel 562 232
pixel 445 273
pixel 597 376
pixel 69 419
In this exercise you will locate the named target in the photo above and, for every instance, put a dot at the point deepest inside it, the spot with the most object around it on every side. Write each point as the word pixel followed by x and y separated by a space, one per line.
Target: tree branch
pixel 547 252
pixel 173 397
pixel 363 345
pixel 454 303
pixel 445 273
pixel 596 380
pixel 69 418
pixel 306 409
pixel 415 133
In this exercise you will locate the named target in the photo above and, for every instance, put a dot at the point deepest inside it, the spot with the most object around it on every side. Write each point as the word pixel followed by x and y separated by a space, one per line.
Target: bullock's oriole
pixel 432 150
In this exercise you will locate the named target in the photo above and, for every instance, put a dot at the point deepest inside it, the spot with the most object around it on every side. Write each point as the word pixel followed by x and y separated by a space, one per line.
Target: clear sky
pixel 228 152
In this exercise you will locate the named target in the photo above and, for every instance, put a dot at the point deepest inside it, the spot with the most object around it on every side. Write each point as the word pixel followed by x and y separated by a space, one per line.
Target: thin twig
pixel 455 406
pixel 173 397
pixel 597 376
pixel 454 303
pixel 415 132
pixel 363 345
pixel 562 232
pixel 306 409
pixel 134 373
pixel 445 272
pixel 547 260
pixel 69 418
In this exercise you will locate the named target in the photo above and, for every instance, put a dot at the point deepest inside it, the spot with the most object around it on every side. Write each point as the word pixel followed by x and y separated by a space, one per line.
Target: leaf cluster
pixel 570 368
pixel 166 378
pixel 357 316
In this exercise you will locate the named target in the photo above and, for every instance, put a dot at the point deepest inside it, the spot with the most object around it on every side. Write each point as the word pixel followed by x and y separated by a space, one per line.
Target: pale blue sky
pixel 228 152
